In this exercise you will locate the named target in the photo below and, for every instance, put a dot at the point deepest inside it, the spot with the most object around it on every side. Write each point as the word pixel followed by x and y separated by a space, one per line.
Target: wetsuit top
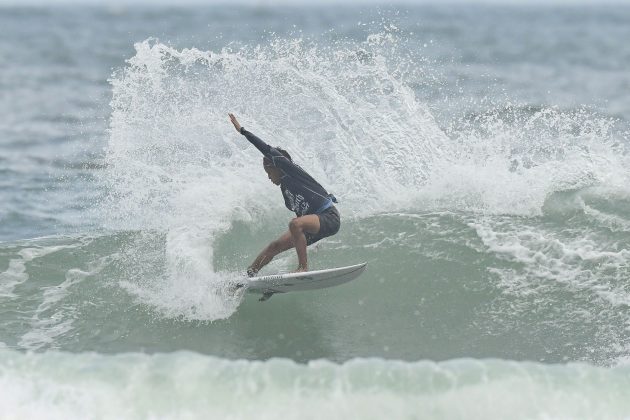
pixel 302 194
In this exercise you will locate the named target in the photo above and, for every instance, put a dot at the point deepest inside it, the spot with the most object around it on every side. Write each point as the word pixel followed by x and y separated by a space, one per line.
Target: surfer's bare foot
pixel 300 270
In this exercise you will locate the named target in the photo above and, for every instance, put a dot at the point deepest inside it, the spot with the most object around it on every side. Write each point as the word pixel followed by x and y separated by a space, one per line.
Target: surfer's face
pixel 273 173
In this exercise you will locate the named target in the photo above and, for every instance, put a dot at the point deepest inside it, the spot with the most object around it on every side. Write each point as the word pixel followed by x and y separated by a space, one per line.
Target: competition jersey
pixel 302 194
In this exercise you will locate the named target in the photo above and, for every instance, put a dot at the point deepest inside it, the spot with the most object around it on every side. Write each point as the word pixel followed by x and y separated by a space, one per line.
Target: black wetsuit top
pixel 302 194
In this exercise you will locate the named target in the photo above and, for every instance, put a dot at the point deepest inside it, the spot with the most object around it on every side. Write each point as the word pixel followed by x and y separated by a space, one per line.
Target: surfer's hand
pixel 235 122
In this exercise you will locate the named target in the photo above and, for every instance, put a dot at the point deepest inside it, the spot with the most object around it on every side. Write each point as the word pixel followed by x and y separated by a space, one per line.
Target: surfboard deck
pixel 309 280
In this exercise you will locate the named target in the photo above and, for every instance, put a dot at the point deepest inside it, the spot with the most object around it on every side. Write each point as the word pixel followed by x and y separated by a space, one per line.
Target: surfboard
pixel 308 280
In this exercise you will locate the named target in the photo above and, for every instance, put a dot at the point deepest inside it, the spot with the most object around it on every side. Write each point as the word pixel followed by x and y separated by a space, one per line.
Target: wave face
pixel 188 386
pixel 463 285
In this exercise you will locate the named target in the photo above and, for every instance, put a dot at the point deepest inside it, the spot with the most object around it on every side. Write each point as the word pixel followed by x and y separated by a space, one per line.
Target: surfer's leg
pixel 281 244
pixel 298 227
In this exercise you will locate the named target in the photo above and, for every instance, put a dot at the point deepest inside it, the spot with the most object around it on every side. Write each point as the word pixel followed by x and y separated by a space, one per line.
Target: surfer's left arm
pixel 264 148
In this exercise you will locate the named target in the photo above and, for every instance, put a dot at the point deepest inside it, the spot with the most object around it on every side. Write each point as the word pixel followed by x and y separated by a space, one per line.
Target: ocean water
pixel 480 157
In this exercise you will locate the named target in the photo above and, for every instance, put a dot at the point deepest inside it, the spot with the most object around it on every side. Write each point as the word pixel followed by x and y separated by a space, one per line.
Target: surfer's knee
pixel 295 225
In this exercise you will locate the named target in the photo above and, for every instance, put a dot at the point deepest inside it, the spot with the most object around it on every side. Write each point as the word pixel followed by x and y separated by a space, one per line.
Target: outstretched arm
pixel 260 145
pixel 235 122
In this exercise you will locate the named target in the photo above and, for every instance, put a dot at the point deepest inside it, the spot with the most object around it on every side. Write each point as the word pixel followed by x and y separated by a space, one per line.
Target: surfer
pixel 316 216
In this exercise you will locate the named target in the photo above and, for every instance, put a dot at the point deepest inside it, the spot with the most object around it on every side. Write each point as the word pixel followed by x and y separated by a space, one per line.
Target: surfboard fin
pixel 265 296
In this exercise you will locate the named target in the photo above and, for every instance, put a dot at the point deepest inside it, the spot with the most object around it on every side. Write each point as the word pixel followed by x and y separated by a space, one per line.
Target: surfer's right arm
pixel 277 158
pixel 264 148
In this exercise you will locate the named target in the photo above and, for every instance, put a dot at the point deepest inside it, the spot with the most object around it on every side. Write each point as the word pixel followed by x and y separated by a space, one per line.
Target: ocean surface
pixel 480 155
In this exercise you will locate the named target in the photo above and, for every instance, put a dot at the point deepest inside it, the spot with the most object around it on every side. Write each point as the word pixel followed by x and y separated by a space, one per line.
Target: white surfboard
pixel 309 280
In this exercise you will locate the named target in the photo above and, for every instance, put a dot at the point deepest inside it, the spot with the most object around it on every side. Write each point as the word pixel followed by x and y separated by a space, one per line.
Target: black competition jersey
pixel 302 194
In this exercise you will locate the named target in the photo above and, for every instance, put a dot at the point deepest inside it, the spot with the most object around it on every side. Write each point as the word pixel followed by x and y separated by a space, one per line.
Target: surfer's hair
pixel 268 162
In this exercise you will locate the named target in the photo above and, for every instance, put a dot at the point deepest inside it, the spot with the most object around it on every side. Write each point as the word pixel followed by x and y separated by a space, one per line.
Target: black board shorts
pixel 329 223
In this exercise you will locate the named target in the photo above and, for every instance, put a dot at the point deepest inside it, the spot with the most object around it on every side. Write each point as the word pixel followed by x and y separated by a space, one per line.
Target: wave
pixel 189 385
pixel 346 112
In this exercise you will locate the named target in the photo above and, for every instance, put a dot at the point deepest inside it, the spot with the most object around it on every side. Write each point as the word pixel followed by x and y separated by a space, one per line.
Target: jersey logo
pixel 297 202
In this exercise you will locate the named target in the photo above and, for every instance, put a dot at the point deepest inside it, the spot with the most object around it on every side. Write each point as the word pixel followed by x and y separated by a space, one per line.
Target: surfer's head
pixel 274 174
